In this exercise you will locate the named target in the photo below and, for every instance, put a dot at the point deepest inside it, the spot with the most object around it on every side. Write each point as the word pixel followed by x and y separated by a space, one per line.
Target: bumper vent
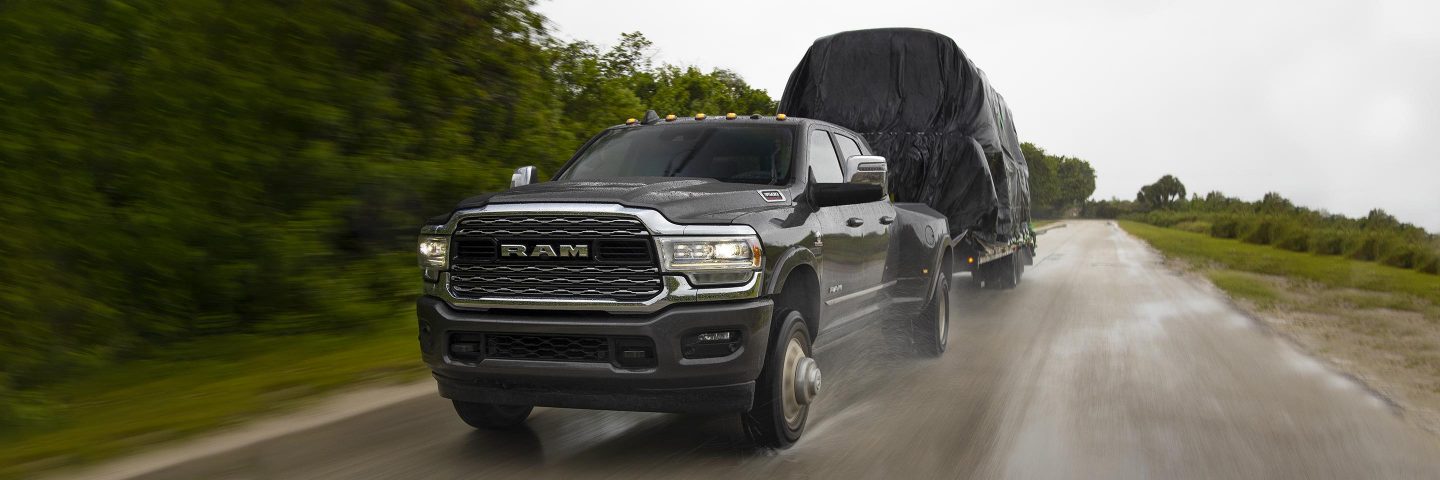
pixel 548 347
pixel 624 352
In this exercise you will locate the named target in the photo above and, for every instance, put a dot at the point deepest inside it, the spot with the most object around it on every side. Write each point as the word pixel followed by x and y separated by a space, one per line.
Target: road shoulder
pixel 1385 341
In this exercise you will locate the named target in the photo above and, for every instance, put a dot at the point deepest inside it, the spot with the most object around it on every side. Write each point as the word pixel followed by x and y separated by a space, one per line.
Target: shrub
pixel 1295 240
pixel 1402 256
pixel 1225 227
pixel 1264 230
pixel 1363 246
pixel 1328 242
pixel 1429 263
pixel 1194 226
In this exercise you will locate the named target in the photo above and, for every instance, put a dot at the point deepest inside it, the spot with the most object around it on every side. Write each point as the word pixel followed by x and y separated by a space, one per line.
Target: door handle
pixel 854 222
pixel 886 220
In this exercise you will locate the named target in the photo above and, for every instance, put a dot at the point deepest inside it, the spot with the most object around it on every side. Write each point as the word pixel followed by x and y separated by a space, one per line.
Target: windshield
pixel 759 154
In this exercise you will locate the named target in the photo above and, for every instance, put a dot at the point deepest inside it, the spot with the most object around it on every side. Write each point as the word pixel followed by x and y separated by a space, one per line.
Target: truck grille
pixel 534 257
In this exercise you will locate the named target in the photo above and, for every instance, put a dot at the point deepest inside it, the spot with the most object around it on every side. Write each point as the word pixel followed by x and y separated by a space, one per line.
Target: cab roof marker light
pixel 670 117
pixel 700 116
pixel 629 121
pixel 730 116
pixel 780 117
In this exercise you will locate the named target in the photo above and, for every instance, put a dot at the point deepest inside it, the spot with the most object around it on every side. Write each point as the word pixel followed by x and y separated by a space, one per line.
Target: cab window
pixel 824 164
pixel 848 146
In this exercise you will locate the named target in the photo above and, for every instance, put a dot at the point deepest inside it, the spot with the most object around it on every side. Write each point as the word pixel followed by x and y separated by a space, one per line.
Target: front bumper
pixel 672 384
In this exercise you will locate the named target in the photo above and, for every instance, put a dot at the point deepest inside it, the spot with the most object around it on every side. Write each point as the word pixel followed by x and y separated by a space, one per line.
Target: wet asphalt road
pixel 1102 364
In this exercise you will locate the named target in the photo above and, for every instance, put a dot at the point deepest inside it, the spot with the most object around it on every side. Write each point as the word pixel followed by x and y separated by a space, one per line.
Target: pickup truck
pixel 677 265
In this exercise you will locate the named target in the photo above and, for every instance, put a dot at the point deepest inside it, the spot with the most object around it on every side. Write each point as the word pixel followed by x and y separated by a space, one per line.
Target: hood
pixel 682 200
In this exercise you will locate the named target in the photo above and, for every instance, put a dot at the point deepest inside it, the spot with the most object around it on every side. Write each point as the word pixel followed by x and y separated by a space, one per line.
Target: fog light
pixel 466 346
pixel 710 344
pixel 715 336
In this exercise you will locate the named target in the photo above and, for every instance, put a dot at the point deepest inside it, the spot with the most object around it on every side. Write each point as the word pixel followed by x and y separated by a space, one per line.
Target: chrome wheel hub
pixel 807 381
pixel 800 383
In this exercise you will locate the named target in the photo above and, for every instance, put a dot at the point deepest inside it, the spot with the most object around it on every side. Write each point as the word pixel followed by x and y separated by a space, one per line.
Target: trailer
pixel 947 134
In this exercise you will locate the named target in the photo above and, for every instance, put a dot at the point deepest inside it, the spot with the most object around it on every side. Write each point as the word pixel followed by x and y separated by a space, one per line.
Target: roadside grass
pixel 1332 271
pixel 1378 322
pixel 198 386
pixel 1249 287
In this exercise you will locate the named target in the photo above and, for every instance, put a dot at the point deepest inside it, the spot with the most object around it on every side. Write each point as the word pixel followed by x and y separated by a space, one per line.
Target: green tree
pixel 600 89
pixel 1164 193
pixel 1076 181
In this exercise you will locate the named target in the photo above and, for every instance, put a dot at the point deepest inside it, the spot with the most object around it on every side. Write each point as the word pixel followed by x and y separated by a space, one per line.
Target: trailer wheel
pixel 1009 271
pixel 984 275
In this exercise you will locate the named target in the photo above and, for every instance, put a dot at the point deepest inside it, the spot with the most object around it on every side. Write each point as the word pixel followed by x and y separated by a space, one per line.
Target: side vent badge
pixel 772 196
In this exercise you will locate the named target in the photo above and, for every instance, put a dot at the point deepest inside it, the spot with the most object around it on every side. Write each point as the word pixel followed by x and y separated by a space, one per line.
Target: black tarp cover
pixel 924 106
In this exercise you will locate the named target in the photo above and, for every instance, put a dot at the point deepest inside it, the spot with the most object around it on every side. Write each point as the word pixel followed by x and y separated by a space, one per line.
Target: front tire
pixel 489 416
pixel 931 329
pixel 780 410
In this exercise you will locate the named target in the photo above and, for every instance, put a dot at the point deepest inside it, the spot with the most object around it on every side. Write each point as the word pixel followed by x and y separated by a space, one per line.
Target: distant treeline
pixel 1059 185
pixel 1274 220
pixel 178 168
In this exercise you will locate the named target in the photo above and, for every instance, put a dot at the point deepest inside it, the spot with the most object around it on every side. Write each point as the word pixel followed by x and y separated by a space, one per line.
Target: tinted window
pixel 848 147
pixel 823 162
pixel 728 153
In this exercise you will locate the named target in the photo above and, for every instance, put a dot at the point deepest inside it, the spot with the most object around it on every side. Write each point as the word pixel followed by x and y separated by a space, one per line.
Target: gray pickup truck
pixel 677 265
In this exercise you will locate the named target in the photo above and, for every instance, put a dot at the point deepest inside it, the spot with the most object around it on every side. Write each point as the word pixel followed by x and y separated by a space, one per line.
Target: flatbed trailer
pixel 993 265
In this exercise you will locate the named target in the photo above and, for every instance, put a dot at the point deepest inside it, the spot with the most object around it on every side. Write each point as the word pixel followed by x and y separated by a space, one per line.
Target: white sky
pixel 1334 104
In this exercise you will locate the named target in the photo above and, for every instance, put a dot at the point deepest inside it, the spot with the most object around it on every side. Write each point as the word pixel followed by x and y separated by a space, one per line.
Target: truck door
pixel 844 277
pixel 878 217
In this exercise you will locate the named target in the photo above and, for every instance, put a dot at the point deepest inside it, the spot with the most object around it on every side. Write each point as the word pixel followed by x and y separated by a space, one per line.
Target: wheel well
pixel 801 292
pixel 946 267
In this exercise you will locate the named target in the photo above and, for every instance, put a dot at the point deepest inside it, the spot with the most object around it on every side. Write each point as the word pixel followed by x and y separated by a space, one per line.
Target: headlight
pixel 711 259
pixel 434 251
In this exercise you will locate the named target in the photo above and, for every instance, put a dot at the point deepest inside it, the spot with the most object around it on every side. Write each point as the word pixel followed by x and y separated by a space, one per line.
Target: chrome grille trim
pixel 653 220
pixel 549 225
pixel 621 281
pixel 557 291
pixel 549 232
pixel 677 290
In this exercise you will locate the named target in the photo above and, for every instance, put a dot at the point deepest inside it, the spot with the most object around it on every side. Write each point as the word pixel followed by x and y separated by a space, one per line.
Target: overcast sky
pixel 1334 104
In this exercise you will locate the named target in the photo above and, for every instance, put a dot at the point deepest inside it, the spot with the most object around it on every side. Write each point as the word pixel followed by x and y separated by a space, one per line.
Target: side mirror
pixel 524 176
pixel 836 194
pixel 866 170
